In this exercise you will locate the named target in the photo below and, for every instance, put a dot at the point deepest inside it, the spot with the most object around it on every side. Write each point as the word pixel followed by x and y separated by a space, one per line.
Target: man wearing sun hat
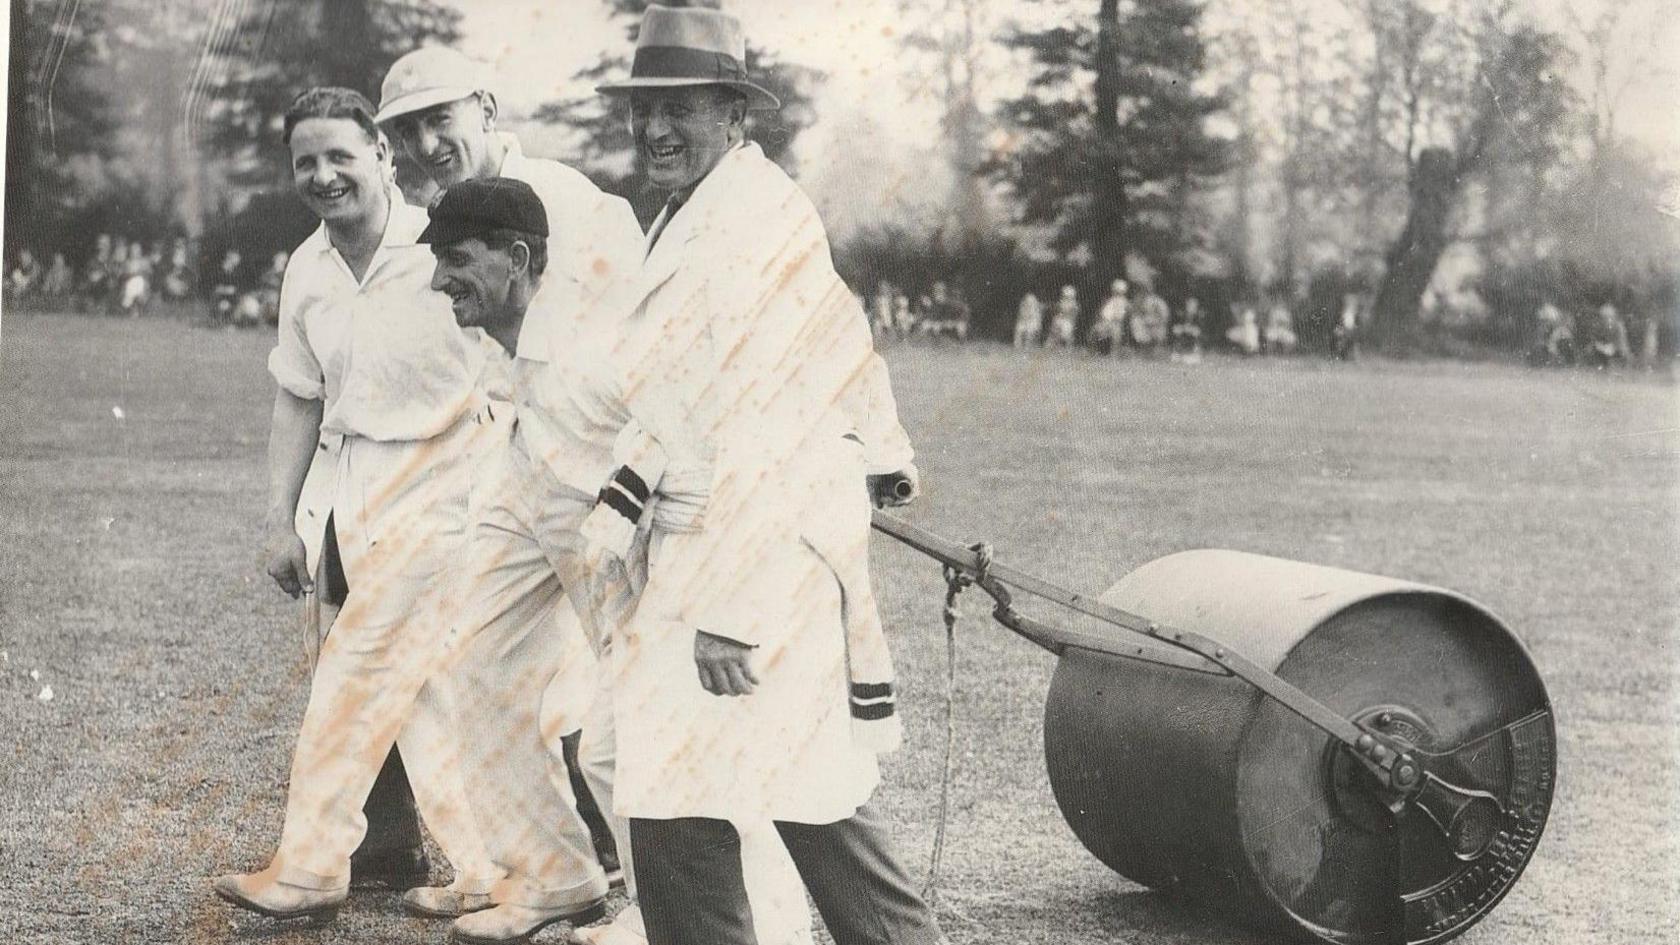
pixel 435 102
pixel 753 681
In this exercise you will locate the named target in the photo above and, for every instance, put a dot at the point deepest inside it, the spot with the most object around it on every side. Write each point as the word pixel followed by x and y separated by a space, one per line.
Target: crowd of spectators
pixel 1599 339
pixel 124 277
pixel 131 277
pixel 1131 320
pixel 1136 320
pixel 941 312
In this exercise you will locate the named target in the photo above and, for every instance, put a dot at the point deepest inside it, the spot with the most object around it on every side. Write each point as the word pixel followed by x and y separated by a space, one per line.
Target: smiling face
pixel 450 142
pixel 336 169
pixel 477 279
pixel 682 133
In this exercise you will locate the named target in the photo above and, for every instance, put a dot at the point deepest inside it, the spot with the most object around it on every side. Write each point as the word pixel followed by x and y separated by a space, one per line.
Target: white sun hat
pixel 426 77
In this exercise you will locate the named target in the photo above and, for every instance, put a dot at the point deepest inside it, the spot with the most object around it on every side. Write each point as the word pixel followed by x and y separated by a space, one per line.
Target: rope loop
pixel 956 580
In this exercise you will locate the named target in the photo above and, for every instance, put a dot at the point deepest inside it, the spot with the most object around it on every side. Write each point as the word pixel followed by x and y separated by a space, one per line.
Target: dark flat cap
pixel 476 207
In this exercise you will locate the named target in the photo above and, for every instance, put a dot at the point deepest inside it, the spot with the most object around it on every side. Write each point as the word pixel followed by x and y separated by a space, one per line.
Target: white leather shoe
pixel 263 894
pixel 441 902
pixel 508 923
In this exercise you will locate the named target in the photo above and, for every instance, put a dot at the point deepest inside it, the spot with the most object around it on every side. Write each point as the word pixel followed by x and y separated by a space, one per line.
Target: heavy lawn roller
pixel 1336 755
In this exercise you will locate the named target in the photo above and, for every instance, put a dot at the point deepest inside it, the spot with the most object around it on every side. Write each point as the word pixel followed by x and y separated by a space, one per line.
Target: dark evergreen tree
pixel 1111 170
pixel 59 118
pixel 255 62
pixel 605 150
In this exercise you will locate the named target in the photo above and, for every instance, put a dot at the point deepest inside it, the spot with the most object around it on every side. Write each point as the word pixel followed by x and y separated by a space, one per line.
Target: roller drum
pixel 1197 784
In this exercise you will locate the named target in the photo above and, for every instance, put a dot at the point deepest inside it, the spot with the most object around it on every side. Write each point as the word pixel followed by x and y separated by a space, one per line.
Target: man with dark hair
pixel 489 243
pixel 755 663
pixel 392 852
pixel 405 408
pixel 489 239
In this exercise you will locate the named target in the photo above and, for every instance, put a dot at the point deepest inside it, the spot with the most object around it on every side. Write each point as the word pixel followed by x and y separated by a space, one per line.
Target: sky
pixel 875 138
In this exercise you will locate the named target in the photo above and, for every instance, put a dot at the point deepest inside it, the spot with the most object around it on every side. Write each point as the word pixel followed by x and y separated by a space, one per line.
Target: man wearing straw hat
pixel 753 681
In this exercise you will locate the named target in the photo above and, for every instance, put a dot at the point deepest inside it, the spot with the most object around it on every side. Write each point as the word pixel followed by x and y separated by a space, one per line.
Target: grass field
pixel 132 487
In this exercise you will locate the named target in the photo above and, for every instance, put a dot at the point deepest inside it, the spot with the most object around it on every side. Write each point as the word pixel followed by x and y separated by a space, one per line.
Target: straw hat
pixel 688 46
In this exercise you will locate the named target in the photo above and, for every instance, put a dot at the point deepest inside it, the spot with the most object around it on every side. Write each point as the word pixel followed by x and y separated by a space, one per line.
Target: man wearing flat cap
pixel 489 241
pixel 753 681
pixel 523 676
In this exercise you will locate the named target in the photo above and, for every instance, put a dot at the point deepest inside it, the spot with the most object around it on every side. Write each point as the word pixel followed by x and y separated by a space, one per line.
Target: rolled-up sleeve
pixel 293 362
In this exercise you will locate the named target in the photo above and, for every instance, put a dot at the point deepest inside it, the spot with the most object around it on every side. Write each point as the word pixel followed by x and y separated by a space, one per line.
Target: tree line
pixel 1232 150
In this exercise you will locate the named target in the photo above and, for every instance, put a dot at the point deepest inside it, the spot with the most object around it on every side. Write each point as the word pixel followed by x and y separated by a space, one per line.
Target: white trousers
pixel 524 679
pixel 400 511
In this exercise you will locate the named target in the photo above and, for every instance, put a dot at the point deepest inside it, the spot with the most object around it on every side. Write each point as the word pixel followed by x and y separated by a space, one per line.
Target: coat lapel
pixel 670 251
pixel 666 255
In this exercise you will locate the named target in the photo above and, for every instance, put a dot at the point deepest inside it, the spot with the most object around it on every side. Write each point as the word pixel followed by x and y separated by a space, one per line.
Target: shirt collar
pixel 513 155
pixel 402 228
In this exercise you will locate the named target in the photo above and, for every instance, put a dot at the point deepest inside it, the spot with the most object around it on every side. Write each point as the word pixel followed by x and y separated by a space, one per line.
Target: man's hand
pixel 895 489
pixel 286 561
pixel 723 665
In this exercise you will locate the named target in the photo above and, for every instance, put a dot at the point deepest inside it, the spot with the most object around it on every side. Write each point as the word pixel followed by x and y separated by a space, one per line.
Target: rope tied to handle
pixel 956 581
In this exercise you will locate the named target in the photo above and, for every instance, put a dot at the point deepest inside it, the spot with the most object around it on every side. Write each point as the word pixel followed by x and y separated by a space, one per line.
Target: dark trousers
pixel 606 851
pixel 393 822
pixel 688 874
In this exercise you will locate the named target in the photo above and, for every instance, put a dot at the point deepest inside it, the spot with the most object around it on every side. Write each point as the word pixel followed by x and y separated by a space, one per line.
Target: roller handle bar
pixel 1393 765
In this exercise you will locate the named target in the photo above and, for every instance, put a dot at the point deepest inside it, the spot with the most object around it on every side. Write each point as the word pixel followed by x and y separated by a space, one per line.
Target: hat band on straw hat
pixel 682 62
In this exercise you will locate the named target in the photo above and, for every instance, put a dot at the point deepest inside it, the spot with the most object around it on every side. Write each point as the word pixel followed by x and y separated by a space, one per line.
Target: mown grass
pixel 132 486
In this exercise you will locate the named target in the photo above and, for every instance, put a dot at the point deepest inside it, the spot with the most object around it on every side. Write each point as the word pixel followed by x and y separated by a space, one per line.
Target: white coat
pixel 755 370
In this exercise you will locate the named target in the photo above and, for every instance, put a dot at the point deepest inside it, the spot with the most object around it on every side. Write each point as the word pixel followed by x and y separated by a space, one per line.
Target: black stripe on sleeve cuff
pixel 872 712
pixel 620 503
pixel 626 477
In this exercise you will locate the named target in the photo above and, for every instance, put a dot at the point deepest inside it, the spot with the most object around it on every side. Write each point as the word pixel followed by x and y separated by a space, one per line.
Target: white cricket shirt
pixel 570 396
pixel 383 353
pixel 594 242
